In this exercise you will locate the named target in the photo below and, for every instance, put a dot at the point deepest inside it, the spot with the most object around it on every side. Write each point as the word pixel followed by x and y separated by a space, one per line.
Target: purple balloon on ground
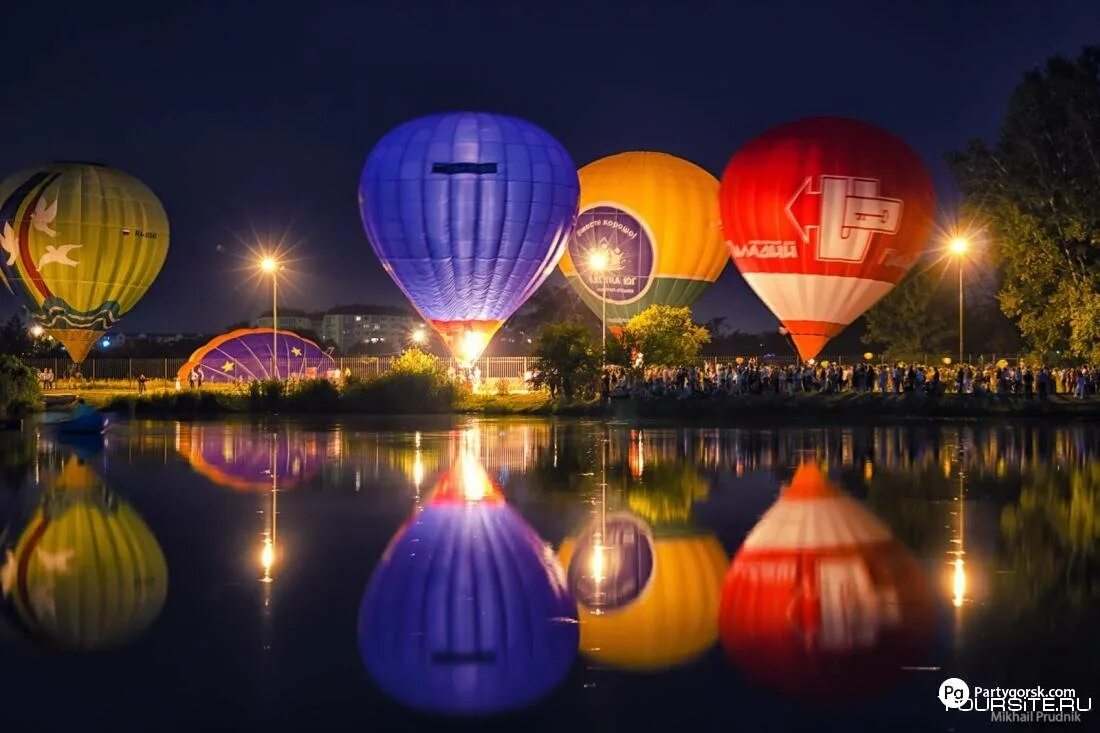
pixel 245 355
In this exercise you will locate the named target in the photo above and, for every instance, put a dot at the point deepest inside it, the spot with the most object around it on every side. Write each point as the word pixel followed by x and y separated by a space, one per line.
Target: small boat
pixel 83 420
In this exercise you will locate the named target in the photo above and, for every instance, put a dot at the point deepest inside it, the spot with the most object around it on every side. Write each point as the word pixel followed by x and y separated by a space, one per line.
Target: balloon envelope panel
pixel 245 355
pixel 81 245
pixel 467 613
pixel 468 213
pixel 823 217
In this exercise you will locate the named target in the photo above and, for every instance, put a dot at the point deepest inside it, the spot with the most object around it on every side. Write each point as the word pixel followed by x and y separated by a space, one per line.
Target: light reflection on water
pixel 565 572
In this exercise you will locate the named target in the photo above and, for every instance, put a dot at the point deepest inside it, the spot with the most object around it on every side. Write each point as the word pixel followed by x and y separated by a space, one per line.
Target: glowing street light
pixel 270 265
pixel 958 247
pixel 419 336
pixel 37 331
pixel 598 262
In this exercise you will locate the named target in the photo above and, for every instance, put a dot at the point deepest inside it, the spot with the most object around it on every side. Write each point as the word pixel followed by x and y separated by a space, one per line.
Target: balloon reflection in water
pixel 647 582
pixel 240 457
pixel 86 572
pixel 822 600
pixel 467 611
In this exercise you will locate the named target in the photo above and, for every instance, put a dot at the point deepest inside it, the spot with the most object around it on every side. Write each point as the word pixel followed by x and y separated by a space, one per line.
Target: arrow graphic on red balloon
pixel 846 212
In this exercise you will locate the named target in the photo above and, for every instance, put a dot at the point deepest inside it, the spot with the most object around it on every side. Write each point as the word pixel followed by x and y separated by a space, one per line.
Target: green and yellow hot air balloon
pixel 86 572
pixel 648 233
pixel 81 245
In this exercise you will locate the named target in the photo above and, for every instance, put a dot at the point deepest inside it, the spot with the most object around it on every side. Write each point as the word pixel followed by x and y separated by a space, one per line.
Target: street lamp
pixel 597 262
pixel 958 248
pixel 419 336
pixel 270 266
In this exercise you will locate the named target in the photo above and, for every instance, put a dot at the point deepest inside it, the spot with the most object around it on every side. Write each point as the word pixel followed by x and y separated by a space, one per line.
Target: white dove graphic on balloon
pixel 43 216
pixel 10 243
pixel 58 255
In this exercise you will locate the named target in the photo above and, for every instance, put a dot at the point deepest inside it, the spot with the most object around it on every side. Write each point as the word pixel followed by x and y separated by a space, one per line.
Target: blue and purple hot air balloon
pixel 469 213
pixel 467 612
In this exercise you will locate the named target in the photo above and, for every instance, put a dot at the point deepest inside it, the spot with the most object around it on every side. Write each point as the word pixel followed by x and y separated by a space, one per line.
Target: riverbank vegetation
pixel 19 390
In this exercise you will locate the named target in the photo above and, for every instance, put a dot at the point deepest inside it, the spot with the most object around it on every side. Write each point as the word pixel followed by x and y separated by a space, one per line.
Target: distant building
pixel 293 320
pixel 351 325
pixel 157 338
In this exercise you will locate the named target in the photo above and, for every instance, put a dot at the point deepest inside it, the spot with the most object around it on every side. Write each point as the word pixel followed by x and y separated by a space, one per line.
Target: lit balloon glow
pixel 81 245
pixel 469 214
pixel 821 602
pixel 647 233
pixel 823 217
pixel 467 612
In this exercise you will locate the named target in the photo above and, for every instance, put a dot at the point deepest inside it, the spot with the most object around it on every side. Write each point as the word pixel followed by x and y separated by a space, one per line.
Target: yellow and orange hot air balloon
pixel 81 245
pixel 648 233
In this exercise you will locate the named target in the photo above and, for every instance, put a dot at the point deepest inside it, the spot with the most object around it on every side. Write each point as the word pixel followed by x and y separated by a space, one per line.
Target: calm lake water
pixel 542 575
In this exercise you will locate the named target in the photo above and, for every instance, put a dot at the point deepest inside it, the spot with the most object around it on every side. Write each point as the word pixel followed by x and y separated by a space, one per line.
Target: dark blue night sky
pixel 252 119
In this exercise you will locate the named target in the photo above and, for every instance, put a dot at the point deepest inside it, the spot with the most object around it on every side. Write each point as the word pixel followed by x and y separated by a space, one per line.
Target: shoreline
pixel 732 409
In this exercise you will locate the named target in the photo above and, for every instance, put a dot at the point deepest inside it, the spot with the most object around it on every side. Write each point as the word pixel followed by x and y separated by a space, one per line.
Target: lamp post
pixel 959 247
pixel 597 262
pixel 270 266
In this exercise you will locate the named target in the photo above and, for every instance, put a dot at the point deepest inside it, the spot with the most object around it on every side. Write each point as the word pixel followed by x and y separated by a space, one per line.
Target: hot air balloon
pixel 81 245
pixel 468 213
pixel 245 355
pixel 822 602
pixel 86 573
pixel 646 581
pixel 244 459
pixel 823 217
pixel 651 222
pixel 467 611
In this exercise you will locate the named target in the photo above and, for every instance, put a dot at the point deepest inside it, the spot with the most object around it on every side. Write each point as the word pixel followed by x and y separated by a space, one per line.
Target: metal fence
pixel 516 368
pixel 166 369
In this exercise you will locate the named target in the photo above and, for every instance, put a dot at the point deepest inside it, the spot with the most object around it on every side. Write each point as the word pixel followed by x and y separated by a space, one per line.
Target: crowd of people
pixel 753 377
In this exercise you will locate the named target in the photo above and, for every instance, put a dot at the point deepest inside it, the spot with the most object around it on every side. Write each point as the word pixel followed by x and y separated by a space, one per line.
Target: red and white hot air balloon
pixel 823 217
pixel 822 602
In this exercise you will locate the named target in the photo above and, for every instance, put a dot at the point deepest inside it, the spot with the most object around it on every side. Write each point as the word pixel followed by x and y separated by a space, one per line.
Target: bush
pixel 19 390
pixel 504 387
pixel 313 395
pixel 265 394
pixel 402 393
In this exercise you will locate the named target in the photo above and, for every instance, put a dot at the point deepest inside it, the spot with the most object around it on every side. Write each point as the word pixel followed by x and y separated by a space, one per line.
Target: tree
pixel 551 303
pixel 14 338
pixel 912 321
pixel 665 335
pixel 1037 188
pixel 567 360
